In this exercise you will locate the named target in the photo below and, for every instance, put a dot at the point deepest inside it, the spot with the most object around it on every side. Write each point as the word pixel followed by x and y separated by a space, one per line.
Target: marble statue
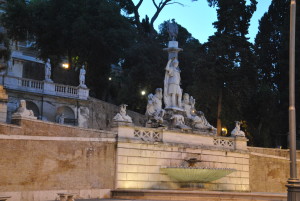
pixel 22 111
pixel 237 130
pixel 172 90
pixel 48 71
pixel 60 118
pixel 172 30
pixel 154 111
pixel 82 77
pixel 178 122
pixel 197 117
pixel 122 116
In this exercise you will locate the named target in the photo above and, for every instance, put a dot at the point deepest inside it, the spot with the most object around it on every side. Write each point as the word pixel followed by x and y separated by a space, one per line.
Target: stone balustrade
pixel 44 87
pixel 175 136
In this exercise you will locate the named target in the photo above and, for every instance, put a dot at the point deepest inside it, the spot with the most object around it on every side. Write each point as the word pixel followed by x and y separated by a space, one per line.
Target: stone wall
pixel 141 155
pixel 270 169
pixel 40 159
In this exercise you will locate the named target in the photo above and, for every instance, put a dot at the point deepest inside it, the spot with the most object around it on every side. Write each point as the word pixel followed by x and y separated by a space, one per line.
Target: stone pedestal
pixel 173 49
pixel 293 189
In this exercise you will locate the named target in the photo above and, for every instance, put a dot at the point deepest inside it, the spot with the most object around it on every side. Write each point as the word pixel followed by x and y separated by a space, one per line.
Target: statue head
pixel 158 93
pixel 23 103
pixel 175 63
pixel 48 60
pixel 186 98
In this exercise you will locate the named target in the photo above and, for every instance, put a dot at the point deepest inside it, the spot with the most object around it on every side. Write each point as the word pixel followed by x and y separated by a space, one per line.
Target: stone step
pixel 179 195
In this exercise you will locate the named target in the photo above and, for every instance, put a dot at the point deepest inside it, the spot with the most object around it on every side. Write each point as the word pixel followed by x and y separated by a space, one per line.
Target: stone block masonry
pixel 40 159
pixel 140 156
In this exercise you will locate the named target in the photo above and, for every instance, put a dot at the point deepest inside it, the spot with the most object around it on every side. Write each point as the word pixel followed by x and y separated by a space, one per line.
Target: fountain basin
pixel 196 174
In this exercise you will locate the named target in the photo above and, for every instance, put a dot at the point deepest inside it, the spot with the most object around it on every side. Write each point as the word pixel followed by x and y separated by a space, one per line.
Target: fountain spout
pixel 192 161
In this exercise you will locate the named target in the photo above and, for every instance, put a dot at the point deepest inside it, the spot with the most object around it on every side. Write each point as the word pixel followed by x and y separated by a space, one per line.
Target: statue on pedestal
pixel 22 111
pixel 154 112
pixel 82 77
pixel 48 71
pixel 172 30
pixel 237 130
pixel 122 116
pixel 172 90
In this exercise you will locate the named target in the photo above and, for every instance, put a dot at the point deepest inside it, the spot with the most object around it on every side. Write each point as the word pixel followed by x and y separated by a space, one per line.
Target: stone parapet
pixel 45 87
pixel 190 138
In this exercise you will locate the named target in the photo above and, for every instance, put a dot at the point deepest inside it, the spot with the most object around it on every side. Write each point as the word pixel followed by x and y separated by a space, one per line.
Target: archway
pixel 32 106
pixel 68 114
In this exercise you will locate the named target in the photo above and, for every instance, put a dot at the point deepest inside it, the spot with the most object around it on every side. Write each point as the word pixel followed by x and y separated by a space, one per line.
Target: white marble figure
pixel 154 110
pixel 122 116
pixel 172 90
pixel 178 121
pixel 197 117
pixel 61 119
pixel 48 71
pixel 82 77
pixel 237 130
pixel 22 111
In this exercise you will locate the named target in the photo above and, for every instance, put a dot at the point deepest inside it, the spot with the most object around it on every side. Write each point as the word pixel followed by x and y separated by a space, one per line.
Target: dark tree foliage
pixel 271 101
pixel 91 32
pixel 226 73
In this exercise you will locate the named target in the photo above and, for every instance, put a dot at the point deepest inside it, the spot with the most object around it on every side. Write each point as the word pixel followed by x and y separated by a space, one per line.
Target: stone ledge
pixel 194 195
pixel 34 127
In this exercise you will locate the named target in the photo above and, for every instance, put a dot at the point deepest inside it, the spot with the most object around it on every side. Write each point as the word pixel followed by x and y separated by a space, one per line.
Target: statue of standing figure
pixel 197 117
pixel 82 77
pixel 172 90
pixel 154 112
pixel 48 71
pixel 172 30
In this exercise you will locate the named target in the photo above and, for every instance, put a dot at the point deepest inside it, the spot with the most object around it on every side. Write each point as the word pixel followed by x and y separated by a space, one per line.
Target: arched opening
pixel 68 115
pixel 32 106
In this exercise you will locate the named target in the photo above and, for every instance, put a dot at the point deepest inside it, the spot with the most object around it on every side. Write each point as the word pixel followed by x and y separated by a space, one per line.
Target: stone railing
pixel 43 87
pixel 179 137
pixel 31 84
pixel 64 89
pixel 148 135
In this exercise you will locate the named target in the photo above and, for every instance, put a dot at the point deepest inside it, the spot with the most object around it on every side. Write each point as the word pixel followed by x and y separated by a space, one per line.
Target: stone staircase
pixel 176 195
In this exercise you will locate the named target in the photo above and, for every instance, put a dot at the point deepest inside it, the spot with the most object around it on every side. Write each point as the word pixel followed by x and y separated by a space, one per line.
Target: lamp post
pixel 293 182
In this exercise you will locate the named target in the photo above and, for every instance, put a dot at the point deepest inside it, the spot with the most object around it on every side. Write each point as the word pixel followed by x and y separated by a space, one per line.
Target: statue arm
pixel 168 65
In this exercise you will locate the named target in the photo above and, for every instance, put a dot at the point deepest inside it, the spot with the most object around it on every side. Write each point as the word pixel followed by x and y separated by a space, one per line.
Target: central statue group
pixel 187 116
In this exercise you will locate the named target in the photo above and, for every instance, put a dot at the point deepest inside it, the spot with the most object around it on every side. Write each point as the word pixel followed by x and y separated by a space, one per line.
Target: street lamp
pixel 293 182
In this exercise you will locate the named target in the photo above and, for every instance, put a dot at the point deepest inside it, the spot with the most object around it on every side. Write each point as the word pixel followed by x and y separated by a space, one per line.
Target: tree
pixel 227 75
pixel 144 26
pixel 91 32
pixel 272 96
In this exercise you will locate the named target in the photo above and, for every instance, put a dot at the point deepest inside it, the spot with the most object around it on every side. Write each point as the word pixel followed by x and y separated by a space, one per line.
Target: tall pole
pixel 292 109
pixel 293 183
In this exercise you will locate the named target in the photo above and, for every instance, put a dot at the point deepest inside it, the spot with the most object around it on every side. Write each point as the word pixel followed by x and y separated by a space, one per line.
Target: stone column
pixel 3 104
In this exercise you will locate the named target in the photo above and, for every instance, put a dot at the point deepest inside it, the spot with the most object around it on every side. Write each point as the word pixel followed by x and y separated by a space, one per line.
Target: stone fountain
pixel 192 174
pixel 164 154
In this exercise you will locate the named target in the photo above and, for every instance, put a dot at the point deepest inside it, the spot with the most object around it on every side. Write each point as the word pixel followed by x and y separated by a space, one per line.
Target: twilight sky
pixel 197 17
